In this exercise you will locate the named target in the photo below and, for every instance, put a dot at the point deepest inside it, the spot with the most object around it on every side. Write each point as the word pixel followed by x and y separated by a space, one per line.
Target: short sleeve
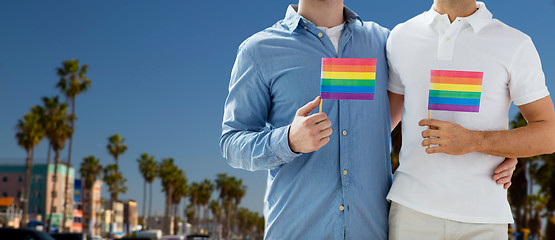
pixel 527 80
pixel 394 83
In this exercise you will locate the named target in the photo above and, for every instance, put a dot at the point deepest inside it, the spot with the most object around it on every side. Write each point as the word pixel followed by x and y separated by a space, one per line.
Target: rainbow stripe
pixel 455 91
pixel 348 78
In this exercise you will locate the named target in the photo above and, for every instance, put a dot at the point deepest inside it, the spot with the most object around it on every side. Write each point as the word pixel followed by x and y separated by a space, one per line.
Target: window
pixel 5 179
pixel 53 178
pixel 18 194
pixel 37 209
pixel 36 194
pixel 37 178
pixel 4 194
pixel 20 178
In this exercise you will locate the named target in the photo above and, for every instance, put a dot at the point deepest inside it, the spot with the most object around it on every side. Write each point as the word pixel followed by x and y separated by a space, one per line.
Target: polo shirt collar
pixel 293 19
pixel 477 20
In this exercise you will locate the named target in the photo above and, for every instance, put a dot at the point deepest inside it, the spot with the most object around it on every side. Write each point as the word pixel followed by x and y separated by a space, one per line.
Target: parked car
pixel 154 234
pixel 198 237
pixel 23 234
pixel 69 236
pixel 173 237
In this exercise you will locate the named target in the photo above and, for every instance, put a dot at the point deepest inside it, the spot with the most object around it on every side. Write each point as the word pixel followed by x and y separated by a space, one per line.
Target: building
pixel 130 216
pixel 92 208
pixel 114 217
pixel 43 181
pixel 10 213
pixel 77 207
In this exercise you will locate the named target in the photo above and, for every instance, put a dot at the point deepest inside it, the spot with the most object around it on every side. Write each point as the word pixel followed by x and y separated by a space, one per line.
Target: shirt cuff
pixel 279 142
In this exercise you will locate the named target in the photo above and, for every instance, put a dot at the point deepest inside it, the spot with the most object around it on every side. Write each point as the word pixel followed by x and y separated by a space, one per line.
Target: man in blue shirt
pixel 328 173
pixel 338 191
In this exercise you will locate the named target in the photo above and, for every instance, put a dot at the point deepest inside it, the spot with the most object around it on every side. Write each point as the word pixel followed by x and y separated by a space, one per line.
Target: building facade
pixel 45 187
pixel 10 213
pixel 130 216
pixel 92 208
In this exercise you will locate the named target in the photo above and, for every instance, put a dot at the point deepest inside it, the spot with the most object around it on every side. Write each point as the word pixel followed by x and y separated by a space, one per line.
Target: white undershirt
pixel 334 33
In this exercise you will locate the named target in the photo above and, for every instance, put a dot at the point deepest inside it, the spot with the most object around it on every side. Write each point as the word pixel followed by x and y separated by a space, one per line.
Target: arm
pixel 538 137
pixel 395 107
pixel 246 142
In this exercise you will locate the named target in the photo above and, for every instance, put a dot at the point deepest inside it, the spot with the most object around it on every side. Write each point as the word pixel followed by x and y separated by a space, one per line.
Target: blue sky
pixel 160 71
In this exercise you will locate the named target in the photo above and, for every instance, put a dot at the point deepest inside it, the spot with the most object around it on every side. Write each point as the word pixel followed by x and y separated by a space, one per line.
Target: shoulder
pixel 409 26
pixel 258 42
pixel 506 32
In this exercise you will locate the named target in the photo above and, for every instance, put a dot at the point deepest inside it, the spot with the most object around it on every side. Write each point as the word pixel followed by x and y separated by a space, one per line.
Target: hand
pixel 452 138
pixel 309 133
pixel 504 172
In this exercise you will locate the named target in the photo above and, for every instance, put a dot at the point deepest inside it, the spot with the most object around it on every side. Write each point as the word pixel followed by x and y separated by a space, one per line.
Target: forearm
pixel 251 150
pixel 534 139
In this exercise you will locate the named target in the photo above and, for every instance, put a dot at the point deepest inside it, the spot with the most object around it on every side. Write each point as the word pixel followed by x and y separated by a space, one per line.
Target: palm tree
pixel 216 211
pixel 72 83
pixel 232 191
pixel 115 181
pixel 205 194
pixel 170 174
pixel 29 134
pixel 179 192
pixel 57 130
pixel 194 195
pixel 147 167
pixel 116 147
pixel 90 170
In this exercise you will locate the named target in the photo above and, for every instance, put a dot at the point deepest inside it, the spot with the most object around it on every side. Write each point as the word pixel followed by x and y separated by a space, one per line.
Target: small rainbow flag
pixel 455 91
pixel 348 78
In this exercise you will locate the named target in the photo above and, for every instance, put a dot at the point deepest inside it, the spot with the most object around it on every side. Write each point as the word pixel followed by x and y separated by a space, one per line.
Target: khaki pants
pixel 408 224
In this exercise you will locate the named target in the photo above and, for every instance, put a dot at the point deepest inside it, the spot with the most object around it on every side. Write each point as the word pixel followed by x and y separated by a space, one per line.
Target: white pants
pixel 405 223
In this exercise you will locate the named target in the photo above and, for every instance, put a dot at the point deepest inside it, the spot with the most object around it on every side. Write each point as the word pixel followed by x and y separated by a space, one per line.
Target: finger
pixel 431 122
pixel 317 118
pixel 430 133
pixel 432 150
pixel 431 141
pixel 504 173
pixel 503 180
pixel 507 185
pixel 323 125
pixel 307 108
pixel 323 142
pixel 325 133
pixel 509 163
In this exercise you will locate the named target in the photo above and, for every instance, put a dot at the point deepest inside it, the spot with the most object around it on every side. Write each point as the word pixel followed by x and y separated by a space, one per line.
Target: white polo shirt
pixel 458 188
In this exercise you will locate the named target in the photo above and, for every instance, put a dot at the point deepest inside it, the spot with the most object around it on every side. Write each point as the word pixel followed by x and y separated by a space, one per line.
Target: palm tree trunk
pixel 54 193
pixel 92 214
pixel 45 205
pixel 175 222
pixel 150 201
pixel 27 190
pixel 166 228
pixel 144 203
pixel 66 191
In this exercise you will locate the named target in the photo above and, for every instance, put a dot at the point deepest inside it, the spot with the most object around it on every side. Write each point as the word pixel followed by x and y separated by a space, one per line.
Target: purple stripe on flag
pixel 458 108
pixel 359 96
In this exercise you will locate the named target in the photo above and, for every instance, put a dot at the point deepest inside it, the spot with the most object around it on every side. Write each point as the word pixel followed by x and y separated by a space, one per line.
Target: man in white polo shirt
pixel 461 66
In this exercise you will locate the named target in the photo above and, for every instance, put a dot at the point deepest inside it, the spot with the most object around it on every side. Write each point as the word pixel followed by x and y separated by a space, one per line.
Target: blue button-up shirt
pixel 337 192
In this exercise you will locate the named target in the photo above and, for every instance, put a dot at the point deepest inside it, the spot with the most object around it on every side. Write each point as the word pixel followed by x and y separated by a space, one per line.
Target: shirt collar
pixel 292 18
pixel 477 20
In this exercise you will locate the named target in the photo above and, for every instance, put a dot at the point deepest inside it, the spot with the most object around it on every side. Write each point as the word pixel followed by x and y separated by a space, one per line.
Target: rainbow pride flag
pixel 348 78
pixel 455 91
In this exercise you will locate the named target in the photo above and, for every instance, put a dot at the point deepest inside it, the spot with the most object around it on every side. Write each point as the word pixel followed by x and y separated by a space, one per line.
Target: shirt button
pixel 341 208
pixel 447 38
pixel 344 172
pixel 344 133
pixel 305 27
pixel 320 34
